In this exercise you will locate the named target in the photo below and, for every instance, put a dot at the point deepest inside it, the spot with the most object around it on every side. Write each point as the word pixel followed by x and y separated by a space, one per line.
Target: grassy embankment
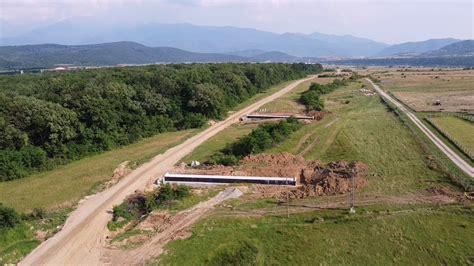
pixel 375 235
pixel 358 128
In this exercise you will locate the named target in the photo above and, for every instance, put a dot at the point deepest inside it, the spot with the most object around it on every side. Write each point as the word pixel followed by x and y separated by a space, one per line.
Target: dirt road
pixel 180 223
pixel 82 239
pixel 463 165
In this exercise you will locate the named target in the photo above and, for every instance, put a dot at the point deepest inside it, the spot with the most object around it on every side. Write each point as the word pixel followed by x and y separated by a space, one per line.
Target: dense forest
pixel 53 118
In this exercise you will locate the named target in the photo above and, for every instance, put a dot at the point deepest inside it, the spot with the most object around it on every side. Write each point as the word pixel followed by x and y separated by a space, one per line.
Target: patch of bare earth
pixel 313 177
pixel 168 228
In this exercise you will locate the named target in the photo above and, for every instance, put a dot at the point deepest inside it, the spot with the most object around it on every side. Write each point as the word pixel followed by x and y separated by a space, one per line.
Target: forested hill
pixel 463 48
pixel 108 54
pixel 48 55
pixel 57 117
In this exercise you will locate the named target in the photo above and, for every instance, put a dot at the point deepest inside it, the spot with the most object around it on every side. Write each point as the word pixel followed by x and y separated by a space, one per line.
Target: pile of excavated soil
pixel 318 180
pixel 314 178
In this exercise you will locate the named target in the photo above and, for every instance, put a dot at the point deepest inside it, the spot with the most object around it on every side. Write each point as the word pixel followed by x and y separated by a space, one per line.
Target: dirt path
pixel 179 225
pixel 463 165
pixel 82 239
pixel 342 202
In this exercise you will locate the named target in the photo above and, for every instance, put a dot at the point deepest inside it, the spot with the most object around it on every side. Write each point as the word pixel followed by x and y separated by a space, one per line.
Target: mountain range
pixel 109 54
pixel 415 48
pixel 202 39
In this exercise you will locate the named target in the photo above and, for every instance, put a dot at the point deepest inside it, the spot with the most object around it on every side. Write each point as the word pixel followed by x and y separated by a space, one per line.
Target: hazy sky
pixel 384 20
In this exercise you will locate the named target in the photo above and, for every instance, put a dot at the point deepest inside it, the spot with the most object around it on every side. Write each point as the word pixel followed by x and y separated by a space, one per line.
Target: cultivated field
pixel 420 89
pixel 460 130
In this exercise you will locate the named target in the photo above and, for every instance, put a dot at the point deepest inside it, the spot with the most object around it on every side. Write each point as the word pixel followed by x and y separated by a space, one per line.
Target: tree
pixel 207 100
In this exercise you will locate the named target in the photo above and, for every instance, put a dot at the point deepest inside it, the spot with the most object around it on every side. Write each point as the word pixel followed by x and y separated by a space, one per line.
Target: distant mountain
pixel 49 55
pixel 439 61
pixel 462 48
pixel 274 57
pixel 247 53
pixel 415 48
pixel 203 39
pixel 350 44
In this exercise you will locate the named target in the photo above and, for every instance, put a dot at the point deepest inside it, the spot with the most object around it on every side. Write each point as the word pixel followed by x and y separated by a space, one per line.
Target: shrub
pixel 235 253
pixel 311 98
pixel 8 217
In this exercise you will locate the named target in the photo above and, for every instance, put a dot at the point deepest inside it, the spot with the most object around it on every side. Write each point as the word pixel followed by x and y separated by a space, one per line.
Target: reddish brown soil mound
pixel 318 180
pixel 314 178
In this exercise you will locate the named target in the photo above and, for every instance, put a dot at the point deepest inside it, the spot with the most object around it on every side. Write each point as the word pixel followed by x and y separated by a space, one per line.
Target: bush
pixel 139 204
pixel 8 217
pixel 235 253
pixel 311 98
pixel 223 159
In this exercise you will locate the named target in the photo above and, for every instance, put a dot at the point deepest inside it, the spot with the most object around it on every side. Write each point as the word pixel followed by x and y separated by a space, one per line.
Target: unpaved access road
pixel 83 236
pixel 180 223
pixel 463 165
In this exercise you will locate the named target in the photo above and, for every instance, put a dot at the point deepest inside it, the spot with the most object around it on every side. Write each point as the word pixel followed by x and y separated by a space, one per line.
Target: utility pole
pixel 287 199
pixel 353 176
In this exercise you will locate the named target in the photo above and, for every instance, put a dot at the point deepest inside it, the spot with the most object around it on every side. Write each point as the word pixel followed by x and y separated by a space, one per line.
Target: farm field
pixel 460 129
pixel 64 186
pixel 420 89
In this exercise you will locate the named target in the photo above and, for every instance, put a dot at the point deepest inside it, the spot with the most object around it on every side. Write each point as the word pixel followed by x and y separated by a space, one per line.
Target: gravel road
pixel 463 165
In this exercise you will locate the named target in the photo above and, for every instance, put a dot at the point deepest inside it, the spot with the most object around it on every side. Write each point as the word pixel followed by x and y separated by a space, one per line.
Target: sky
pixel 390 21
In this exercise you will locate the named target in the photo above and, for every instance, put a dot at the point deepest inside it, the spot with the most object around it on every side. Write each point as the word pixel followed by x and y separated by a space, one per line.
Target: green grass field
pixel 289 102
pixel 67 184
pixel 372 236
pixel 219 142
pixel 18 242
pixel 361 128
pixel 461 130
